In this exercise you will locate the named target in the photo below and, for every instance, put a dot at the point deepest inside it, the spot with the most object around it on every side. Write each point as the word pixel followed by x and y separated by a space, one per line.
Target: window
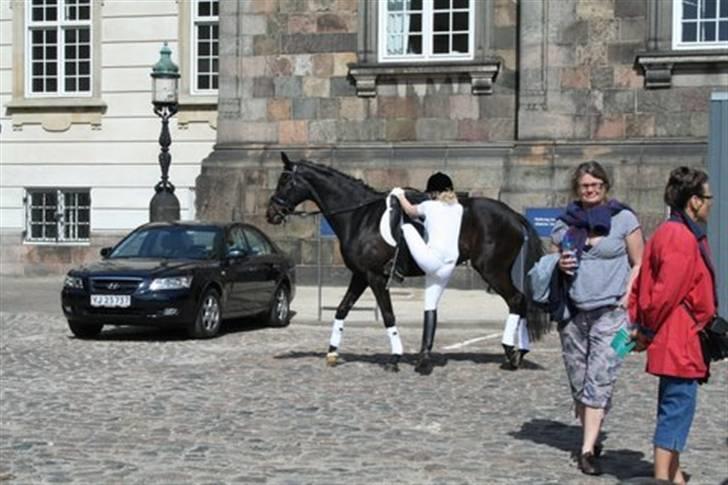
pixel 700 24
pixel 58 215
pixel 204 46
pixel 258 244
pixel 59 60
pixel 425 30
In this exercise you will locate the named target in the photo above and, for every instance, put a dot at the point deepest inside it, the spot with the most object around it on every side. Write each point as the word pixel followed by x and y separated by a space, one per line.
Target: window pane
pixel 215 8
pixel 460 21
pixel 84 52
pixel 460 43
pixel 84 35
pixel 442 4
pixel 203 9
pixel 442 22
pixel 83 215
pixel 37 14
pixel 214 81
pixel 203 82
pixel 204 49
pixel 83 231
pixel 84 199
pixel 52 85
pixel 414 45
pixel 51 52
pixel 415 4
pixel 441 44
pixel 84 84
pixel 723 31
pixel 395 5
pixel 71 36
pixel 37 68
pixel 49 215
pixel 51 68
pixel 84 67
pixel 70 84
pixel 707 31
pixel 723 8
pixel 51 13
pixel 51 231
pixel 36 215
pixel 203 65
pixel 690 9
pixel 37 36
pixel 84 13
pixel 415 23
pixel 37 86
pixel 70 68
pixel 689 32
pixel 36 231
pixel 709 9
pixel 460 4
pixel 70 51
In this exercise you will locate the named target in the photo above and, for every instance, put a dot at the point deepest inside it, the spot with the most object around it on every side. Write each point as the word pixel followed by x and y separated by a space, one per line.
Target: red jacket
pixel 673 296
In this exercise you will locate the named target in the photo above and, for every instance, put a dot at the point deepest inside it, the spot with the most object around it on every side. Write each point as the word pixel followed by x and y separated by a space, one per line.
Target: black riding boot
pixel 424 365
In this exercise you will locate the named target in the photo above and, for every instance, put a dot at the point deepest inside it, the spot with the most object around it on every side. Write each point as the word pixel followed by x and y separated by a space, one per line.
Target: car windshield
pixel 173 242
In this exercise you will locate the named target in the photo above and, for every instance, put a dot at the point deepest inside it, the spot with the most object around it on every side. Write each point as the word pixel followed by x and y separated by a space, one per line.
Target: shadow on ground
pixel 438 359
pixel 132 333
pixel 619 463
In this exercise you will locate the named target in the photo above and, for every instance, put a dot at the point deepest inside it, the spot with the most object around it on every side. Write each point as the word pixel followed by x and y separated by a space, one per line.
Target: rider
pixel 438 256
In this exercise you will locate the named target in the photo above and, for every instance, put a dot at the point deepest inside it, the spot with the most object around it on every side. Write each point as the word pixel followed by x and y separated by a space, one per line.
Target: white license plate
pixel 121 301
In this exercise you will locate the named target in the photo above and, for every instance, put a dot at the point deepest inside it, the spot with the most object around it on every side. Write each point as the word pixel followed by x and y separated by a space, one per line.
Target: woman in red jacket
pixel 673 298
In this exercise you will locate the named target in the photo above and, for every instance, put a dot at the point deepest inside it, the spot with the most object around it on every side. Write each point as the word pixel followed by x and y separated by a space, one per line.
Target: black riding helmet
pixel 439 182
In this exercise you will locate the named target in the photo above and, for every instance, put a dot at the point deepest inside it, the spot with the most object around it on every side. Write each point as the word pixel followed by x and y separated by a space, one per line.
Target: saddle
pixel 390 227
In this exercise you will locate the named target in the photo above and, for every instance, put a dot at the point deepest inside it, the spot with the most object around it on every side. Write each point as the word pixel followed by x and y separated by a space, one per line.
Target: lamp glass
pixel 164 90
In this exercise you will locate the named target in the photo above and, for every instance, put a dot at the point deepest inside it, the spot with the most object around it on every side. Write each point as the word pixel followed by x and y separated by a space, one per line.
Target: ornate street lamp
pixel 165 78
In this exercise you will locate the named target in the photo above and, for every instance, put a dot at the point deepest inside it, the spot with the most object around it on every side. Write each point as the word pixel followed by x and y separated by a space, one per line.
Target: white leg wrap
pixel 523 342
pixel 336 331
pixel 509 331
pixel 394 340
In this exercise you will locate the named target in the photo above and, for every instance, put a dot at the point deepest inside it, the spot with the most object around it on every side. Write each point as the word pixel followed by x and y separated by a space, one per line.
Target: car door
pixel 264 264
pixel 238 272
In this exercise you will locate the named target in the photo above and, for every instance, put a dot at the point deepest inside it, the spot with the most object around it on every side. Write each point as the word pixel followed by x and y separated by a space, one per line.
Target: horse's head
pixel 291 190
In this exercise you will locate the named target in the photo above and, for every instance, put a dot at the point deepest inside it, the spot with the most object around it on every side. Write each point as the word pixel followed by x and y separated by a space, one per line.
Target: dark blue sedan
pixel 191 275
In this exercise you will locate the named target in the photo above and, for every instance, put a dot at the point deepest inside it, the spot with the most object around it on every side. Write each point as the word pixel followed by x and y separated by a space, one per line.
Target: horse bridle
pixel 288 207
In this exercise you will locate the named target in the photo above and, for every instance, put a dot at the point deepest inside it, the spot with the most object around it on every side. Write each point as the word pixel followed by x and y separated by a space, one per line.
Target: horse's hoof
pixel 512 359
pixel 424 367
pixel 391 367
pixel 332 359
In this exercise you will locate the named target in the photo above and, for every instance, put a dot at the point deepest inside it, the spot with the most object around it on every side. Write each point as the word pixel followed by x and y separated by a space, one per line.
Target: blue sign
pixel 325 229
pixel 543 218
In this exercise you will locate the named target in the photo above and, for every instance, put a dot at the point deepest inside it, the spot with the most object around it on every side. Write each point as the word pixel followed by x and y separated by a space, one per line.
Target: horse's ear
pixel 286 162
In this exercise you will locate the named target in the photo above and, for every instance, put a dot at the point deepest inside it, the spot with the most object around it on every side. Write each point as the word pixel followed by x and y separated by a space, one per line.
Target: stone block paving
pixel 258 405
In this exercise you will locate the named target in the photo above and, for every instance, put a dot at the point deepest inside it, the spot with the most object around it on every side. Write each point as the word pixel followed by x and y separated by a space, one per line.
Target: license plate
pixel 121 301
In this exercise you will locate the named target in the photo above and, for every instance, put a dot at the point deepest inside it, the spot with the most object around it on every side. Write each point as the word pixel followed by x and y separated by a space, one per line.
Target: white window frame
pixel 677 14
pixel 195 21
pixel 60 221
pixel 60 25
pixel 427 34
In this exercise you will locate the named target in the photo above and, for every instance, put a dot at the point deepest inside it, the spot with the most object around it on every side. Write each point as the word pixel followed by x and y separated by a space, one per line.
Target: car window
pixel 258 244
pixel 170 243
pixel 236 241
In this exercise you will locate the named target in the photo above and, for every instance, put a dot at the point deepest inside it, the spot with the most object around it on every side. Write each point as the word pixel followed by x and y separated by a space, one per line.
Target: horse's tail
pixel 539 321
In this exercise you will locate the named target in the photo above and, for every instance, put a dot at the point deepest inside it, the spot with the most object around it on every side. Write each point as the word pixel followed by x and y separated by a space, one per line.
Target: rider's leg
pixel 425 258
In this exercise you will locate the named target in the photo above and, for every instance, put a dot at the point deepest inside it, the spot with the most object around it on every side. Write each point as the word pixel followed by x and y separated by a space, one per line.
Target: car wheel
pixel 209 316
pixel 280 309
pixel 85 330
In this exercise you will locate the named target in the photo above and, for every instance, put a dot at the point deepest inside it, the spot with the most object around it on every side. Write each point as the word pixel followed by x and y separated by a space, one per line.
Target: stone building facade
pixel 547 84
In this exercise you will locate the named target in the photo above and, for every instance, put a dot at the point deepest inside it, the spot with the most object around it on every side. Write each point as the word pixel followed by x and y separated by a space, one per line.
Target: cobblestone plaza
pixel 258 405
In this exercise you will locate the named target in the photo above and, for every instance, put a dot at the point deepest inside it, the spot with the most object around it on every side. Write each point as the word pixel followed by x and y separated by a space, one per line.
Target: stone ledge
pixel 197 109
pixel 659 66
pixel 482 74
pixel 56 114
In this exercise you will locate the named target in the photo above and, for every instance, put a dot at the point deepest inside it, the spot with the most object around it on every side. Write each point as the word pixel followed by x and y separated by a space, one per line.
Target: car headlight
pixel 73 282
pixel 173 283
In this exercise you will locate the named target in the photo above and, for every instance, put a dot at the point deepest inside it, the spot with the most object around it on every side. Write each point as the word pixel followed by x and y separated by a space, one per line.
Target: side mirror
pixel 105 252
pixel 236 253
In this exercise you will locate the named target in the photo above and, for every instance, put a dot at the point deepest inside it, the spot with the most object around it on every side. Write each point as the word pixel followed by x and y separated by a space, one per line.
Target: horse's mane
pixel 334 172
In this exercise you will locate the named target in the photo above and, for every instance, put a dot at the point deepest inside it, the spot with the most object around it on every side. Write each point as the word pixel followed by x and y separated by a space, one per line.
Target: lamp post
pixel 165 77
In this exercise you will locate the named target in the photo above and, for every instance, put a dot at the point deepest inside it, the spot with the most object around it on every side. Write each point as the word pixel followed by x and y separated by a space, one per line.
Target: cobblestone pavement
pixel 258 405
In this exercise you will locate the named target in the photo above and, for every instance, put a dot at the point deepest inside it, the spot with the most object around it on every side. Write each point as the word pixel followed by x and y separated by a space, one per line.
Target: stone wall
pixel 567 90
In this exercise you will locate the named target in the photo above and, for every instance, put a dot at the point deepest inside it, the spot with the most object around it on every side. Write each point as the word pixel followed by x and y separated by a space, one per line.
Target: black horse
pixel 491 237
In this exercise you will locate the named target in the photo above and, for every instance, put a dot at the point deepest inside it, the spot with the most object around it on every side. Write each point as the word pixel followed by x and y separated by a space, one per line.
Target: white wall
pixel 118 160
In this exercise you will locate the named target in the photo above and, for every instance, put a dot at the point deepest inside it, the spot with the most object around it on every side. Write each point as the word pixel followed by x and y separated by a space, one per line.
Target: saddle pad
pixel 385 228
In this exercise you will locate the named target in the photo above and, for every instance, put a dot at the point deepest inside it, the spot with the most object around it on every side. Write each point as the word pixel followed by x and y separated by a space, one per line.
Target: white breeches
pixel 437 272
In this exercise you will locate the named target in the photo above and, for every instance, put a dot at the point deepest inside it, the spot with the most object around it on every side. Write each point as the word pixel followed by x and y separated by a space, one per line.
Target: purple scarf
pixel 596 220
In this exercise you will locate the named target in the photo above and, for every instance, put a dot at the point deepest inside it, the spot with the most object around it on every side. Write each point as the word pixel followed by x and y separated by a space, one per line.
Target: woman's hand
pixel 568 262
pixel 641 341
